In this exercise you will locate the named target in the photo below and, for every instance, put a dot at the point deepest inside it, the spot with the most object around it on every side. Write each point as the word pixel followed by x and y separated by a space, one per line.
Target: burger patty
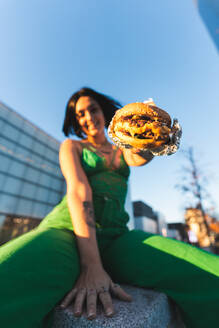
pixel 133 120
pixel 140 120
pixel 143 127
pixel 147 135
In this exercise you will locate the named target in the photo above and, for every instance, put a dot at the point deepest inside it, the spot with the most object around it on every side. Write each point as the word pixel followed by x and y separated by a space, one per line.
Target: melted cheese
pixel 149 126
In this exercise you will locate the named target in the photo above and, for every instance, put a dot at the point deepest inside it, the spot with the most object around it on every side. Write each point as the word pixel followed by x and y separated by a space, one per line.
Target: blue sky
pixel 131 50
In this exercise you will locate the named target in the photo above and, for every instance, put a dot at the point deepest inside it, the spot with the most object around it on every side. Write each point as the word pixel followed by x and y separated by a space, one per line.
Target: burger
pixel 141 125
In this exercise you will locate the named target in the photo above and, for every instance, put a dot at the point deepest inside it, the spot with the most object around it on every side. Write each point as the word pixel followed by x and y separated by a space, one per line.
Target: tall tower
pixel 209 12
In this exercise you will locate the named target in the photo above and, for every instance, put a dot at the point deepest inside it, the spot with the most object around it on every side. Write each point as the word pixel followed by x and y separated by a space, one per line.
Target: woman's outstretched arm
pixel 93 281
pixel 136 157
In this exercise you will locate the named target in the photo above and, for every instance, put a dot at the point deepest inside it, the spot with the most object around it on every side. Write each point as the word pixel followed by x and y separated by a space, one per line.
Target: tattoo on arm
pixel 89 214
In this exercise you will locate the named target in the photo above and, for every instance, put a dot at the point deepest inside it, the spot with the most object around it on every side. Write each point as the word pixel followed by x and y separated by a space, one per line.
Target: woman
pixel 40 268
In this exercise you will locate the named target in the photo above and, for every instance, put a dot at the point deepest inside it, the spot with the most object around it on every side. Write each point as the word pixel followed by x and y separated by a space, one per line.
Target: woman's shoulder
pixel 71 145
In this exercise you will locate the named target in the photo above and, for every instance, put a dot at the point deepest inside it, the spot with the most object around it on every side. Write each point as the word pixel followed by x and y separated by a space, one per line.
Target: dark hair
pixel 107 104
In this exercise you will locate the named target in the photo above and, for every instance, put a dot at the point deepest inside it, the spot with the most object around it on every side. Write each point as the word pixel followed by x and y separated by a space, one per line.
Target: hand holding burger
pixel 146 127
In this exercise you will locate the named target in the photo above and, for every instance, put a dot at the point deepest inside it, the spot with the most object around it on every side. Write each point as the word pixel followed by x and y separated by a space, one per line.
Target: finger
pixel 79 301
pixel 106 301
pixel 120 293
pixel 68 298
pixel 91 304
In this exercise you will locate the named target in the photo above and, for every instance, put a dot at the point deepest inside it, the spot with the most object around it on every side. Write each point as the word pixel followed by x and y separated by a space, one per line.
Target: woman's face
pixel 90 116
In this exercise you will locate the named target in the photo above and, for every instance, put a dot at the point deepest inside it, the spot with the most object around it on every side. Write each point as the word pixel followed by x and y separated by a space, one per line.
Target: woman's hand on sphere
pixel 92 285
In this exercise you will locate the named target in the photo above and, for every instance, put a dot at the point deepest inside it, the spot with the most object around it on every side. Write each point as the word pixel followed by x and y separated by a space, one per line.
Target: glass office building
pixel 209 11
pixel 31 183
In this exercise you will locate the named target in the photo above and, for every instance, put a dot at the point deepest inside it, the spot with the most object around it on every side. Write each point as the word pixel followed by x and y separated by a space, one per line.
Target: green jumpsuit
pixel 37 269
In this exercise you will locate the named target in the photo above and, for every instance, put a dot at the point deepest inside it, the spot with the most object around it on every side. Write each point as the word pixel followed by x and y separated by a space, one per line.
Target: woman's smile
pixel 90 116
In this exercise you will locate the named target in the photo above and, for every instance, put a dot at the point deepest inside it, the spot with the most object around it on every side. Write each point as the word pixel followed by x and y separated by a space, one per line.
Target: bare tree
pixel 193 184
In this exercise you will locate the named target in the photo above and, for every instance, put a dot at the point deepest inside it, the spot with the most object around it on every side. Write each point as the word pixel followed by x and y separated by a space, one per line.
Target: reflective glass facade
pixel 31 183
